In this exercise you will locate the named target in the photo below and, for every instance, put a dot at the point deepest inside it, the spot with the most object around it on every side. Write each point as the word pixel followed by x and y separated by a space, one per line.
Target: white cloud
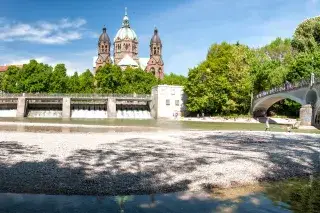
pixel 43 32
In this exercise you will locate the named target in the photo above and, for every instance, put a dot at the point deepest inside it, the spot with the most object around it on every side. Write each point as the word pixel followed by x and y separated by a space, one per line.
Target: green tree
pixel 86 82
pixel 74 83
pixel 11 80
pixel 136 81
pixel 222 84
pixel 35 77
pixel 306 37
pixel 59 79
pixel 174 79
pixel 108 79
pixel 304 64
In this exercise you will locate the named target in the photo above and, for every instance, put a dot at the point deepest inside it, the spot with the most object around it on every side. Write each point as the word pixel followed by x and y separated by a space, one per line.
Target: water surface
pixel 299 195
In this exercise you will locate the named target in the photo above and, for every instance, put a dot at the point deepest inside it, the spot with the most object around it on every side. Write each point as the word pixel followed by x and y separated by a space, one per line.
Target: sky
pixel 67 31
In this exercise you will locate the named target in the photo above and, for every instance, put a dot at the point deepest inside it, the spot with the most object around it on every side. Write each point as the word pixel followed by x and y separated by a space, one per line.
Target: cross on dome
pixel 125 22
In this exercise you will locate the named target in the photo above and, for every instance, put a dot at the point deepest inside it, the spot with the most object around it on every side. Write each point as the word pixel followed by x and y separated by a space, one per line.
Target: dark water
pixel 296 195
pixel 176 202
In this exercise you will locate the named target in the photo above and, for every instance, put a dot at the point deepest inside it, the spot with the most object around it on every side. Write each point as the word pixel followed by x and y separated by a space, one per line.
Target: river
pixel 294 195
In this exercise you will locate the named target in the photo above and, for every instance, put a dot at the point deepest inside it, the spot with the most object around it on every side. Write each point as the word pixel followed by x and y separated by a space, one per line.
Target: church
pixel 125 50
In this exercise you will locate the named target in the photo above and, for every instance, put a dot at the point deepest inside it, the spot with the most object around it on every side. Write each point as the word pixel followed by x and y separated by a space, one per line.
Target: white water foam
pixel 134 114
pixel 44 114
pixel 7 113
pixel 80 113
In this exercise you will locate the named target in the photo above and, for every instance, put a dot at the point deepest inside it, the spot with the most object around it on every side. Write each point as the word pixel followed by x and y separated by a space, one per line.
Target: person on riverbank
pixel 267 124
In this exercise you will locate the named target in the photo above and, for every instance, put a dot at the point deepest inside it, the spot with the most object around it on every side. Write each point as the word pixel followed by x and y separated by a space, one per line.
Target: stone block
pixel 306 115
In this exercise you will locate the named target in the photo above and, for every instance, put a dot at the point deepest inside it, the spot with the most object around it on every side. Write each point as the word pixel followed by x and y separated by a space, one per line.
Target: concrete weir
pixel 73 107
pixel 165 101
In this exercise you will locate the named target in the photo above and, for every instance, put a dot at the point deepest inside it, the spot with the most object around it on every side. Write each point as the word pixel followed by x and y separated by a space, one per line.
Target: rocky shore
pixel 148 162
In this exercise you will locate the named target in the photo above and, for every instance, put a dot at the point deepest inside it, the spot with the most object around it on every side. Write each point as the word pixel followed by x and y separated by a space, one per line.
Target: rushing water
pixel 7 113
pixel 80 113
pixel 296 195
pixel 133 114
pixel 44 114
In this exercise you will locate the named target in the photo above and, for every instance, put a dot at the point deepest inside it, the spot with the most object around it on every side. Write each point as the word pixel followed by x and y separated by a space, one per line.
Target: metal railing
pixel 285 88
pixel 75 95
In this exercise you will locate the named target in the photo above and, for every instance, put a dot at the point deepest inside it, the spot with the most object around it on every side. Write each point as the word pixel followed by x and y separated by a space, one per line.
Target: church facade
pixel 125 50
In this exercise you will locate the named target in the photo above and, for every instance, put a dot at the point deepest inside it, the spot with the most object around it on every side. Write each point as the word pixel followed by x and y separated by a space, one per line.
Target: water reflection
pixel 300 195
pixel 296 195
pixel 186 202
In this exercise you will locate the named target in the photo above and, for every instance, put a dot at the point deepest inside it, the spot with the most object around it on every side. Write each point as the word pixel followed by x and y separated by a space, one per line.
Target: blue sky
pixel 66 31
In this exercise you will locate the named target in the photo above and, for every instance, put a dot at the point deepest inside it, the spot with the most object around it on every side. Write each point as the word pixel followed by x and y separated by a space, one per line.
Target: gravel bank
pixel 125 163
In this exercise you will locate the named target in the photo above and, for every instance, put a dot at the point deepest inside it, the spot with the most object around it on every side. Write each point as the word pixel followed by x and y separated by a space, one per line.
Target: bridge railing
pixel 61 95
pixel 284 88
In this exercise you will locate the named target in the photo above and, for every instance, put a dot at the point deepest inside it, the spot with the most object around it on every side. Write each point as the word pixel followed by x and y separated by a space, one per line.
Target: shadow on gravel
pixel 290 156
pixel 49 177
pixel 14 147
pixel 144 166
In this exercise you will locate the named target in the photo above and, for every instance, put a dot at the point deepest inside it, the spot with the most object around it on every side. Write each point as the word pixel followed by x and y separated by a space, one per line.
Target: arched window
pixel 154 50
pixel 159 50
pixel 152 70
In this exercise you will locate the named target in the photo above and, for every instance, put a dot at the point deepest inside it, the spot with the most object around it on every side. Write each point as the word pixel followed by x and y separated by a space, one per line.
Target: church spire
pixel 125 21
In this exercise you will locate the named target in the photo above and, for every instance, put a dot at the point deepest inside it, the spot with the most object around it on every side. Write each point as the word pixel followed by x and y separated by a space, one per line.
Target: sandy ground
pixel 126 163
pixel 239 120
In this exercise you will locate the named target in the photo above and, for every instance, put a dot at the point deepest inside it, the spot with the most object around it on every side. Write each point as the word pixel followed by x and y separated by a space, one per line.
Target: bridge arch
pixel 312 97
pixel 316 120
pixel 263 104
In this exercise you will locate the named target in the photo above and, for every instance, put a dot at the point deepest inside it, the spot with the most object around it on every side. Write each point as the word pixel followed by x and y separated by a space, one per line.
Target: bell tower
pixel 155 64
pixel 103 49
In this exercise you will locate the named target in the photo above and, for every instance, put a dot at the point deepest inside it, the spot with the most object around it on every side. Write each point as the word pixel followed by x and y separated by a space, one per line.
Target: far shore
pixel 151 162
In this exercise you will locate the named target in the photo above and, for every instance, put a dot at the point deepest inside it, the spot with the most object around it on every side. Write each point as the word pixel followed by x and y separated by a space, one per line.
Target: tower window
pixel 152 70
pixel 154 50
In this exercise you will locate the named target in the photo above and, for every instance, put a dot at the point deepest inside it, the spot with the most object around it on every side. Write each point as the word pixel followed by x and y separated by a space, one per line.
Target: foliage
pixel 11 80
pixel 137 81
pixel 306 37
pixel 174 79
pixel 37 77
pixel 86 82
pixel 221 84
pixel 108 79
pixel 59 79
pixel 74 83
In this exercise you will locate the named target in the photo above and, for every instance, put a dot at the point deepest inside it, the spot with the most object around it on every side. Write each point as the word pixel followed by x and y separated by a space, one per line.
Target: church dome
pixel 104 36
pixel 125 31
pixel 155 38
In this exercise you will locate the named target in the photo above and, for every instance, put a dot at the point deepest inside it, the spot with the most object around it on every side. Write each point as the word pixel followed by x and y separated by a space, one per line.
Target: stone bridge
pixel 305 92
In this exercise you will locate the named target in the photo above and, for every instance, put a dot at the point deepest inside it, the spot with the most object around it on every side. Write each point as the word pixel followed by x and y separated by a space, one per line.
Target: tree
pixel 174 79
pixel 59 79
pixel 304 64
pixel 35 77
pixel 86 82
pixel 74 83
pixel 11 80
pixel 222 84
pixel 108 79
pixel 306 37
pixel 136 81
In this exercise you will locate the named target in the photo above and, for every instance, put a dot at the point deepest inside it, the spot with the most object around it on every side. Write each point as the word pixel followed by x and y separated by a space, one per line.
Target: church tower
pixel 155 64
pixel 103 49
pixel 126 45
